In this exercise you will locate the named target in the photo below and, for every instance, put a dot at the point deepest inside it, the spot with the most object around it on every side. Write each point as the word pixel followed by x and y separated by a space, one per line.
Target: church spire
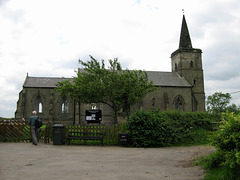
pixel 185 40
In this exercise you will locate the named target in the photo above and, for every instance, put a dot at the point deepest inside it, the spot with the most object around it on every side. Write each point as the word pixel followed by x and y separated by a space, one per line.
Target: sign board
pixel 93 116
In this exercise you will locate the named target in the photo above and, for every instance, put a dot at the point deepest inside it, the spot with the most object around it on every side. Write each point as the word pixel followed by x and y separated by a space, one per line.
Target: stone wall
pixel 161 99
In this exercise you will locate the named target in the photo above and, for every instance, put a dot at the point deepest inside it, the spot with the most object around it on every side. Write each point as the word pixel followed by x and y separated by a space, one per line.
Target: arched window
pixel 64 105
pixel 95 106
pixel 179 103
pixel 40 107
pixel 38 104
pixel 191 64
pixel 194 81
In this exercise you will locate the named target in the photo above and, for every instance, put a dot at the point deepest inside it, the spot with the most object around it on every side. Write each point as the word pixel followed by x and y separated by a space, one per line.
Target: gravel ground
pixel 21 161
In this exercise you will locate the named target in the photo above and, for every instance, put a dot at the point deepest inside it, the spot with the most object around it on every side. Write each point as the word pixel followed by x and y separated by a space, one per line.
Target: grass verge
pixel 215 171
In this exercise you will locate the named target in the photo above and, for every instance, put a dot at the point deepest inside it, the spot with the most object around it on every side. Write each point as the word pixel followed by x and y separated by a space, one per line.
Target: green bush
pixel 225 162
pixel 156 129
pixel 124 127
pixel 214 168
pixel 211 161
pixel 227 140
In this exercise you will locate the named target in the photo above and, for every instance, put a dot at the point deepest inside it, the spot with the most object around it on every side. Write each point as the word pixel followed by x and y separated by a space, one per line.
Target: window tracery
pixel 179 103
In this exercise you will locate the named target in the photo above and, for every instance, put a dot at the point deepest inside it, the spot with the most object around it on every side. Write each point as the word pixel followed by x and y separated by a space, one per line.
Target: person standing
pixel 34 130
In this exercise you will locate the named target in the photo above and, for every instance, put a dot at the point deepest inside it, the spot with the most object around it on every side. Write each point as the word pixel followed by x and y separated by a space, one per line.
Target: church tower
pixel 187 62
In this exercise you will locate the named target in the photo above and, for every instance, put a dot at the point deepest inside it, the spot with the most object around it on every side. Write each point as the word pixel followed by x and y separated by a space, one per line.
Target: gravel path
pixel 21 161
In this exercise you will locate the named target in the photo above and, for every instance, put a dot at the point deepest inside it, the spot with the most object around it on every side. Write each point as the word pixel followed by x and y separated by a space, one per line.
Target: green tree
pixel 218 102
pixel 115 87
pixel 233 108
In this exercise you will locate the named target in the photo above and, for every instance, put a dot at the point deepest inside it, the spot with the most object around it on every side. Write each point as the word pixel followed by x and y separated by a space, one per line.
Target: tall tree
pixel 218 102
pixel 114 86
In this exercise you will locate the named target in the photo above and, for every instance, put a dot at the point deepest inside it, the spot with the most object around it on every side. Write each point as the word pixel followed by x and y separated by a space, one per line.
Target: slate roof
pixel 167 79
pixel 43 82
pixel 185 40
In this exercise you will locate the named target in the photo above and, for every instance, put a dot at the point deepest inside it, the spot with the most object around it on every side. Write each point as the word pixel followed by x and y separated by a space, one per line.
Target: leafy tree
pixel 233 108
pixel 217 103
pixel 115 87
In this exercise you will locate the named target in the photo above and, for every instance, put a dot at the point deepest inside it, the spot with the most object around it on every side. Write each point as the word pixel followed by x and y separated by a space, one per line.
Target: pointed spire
pixel 185 40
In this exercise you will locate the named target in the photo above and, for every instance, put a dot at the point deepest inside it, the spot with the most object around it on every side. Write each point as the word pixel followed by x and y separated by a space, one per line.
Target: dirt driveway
pixel 21 161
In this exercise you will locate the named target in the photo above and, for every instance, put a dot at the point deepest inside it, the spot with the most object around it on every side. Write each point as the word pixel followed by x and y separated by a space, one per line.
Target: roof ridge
pixel 49 77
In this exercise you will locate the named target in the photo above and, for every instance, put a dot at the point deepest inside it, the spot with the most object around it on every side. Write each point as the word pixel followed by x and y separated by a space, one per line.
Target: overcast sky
pixel 46 38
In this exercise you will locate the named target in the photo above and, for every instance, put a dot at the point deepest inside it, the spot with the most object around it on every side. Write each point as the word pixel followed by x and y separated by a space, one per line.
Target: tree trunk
pixel 115 117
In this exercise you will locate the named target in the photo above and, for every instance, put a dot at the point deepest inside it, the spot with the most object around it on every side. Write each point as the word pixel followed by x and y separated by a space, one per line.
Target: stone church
pixel 181 89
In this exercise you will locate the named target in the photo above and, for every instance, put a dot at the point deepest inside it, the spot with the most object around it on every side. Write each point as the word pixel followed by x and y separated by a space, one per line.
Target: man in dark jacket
pixel 34 130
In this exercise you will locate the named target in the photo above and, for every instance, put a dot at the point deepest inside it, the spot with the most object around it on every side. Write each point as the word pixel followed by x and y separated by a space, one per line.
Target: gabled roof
pixel 167 79
pixel 159 79
pixel 43 82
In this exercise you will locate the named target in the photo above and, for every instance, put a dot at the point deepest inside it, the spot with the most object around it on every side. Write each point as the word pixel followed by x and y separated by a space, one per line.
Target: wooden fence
pixel 19 131
pixel 110 132
pixel 14 131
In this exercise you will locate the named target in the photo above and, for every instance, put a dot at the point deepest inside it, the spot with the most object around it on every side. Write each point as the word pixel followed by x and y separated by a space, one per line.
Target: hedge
pixel 158 129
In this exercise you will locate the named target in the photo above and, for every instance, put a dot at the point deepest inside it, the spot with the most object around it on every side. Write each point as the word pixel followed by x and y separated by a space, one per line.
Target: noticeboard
pixel 93 116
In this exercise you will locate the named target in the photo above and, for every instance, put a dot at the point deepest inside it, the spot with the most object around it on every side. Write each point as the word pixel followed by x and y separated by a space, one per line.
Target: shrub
pixel 227 140
pixel 124 127
pixel 155 129
pixel 146 129
pixel 211 161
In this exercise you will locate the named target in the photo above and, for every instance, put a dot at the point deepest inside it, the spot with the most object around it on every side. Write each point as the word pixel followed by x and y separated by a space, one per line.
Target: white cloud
pixel 46 38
